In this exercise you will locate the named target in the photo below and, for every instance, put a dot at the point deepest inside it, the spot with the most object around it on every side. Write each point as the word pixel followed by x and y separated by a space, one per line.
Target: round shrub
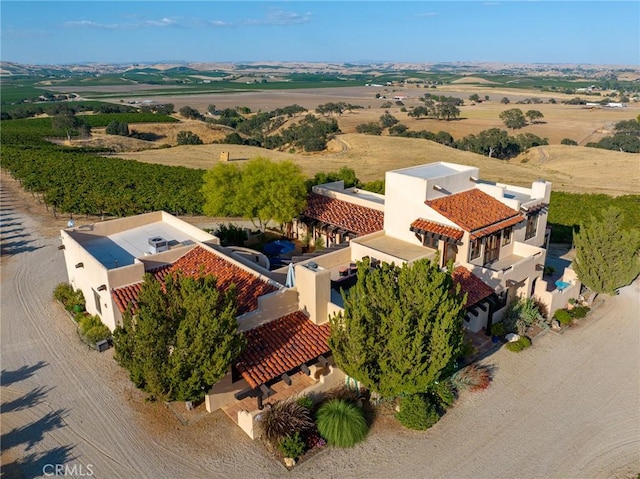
pixel 93 329
pixel 292 446
pixel 563 316
pixel 341 423
pixel 416 412
pixel 580 312
pixel 517 346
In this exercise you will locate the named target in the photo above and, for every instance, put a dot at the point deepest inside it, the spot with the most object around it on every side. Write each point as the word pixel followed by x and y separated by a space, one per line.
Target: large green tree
pixel 513 118
pixel 401 327
pixel 261 191
pixel 182 338
pixel 206 341
pixel 607 256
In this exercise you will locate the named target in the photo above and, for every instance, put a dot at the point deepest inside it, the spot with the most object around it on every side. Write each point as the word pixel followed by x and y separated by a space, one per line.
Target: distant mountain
pixel 461 68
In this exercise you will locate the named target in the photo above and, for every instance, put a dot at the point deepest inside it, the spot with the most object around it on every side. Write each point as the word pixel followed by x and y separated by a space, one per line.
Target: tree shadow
pixel 15 247
pixel 148 136
pixel 12 230
pixel 30 399
pixel 23 372
pixel 15 223
pixel 33 433
pixel 37 464
pixel 14 236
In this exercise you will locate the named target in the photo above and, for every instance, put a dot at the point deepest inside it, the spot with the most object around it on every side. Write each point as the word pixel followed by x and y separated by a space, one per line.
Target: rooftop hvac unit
pixel 158 245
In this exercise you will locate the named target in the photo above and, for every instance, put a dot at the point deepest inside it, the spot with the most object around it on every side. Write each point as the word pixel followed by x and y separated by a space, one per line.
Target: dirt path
pixel 569 407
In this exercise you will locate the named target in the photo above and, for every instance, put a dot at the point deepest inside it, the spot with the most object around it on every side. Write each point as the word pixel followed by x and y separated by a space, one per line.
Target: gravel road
pixel 569 407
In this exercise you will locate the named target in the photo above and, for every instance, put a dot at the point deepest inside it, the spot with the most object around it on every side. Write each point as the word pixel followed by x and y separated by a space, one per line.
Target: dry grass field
pixel 575 169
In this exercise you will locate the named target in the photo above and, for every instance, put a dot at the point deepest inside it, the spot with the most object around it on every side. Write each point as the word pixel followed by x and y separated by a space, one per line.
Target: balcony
pixel 524 262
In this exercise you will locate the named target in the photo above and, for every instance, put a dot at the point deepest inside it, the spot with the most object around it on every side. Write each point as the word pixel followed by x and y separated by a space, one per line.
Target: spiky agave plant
pixel 341 423
pixel 282 419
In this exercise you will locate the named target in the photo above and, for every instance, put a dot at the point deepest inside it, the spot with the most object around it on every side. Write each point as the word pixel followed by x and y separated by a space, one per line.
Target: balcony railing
pixel 515 267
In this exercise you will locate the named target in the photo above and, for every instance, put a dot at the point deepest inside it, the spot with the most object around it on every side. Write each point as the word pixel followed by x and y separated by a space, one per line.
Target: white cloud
pixel 92 24
pixel 280 17
pixel 272 17
pixel 164 22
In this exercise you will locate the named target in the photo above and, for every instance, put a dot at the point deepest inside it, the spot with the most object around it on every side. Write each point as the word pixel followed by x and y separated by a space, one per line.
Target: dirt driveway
pixel 568 408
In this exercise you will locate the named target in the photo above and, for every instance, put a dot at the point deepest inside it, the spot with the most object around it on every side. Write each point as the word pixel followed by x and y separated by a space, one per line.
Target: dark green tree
pixel 120 128
pixel 387 120
pixel 207 341
pixel 182 338
pixel 418 112
pixel 143 343
pixel 191 113
pixel 371 128
pixel 401 328
pixel 474 97
pixel 188 138
pixel 447 110
pixel 606 255
pixel 398 129
pixel 513 118
pixel 69 124
pixel 533 115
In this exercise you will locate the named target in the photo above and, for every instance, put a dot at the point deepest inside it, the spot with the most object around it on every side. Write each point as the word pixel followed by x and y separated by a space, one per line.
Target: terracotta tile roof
pixel 199 262
pixel 422 225
pixel 280 346
pixel 496 227
pixel 537 207
pixel 476 289
pixel 355 218
pixel 474 210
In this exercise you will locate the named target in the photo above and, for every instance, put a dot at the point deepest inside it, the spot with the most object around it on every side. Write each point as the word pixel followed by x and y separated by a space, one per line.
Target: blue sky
pixel 56 32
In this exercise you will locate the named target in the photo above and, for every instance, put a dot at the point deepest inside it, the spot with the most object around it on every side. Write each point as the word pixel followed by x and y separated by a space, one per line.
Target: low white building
pixel 494 235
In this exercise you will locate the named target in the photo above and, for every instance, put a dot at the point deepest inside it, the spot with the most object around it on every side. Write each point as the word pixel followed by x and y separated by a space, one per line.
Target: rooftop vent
pixel 158 244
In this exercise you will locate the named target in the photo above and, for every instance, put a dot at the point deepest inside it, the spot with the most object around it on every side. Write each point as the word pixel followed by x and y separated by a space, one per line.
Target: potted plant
pixel 306 241
pixel 571 304
pixel 497 331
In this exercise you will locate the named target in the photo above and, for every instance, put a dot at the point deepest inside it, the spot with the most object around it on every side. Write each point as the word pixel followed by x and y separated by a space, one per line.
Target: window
pixel 430 242
pixel 532 225
pixel 450 253
pixel 474 249
pixel 491 248
pixel 506 235
pixel 96 298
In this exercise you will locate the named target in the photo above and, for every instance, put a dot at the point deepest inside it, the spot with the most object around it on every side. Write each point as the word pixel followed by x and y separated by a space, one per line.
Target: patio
pixel 299 382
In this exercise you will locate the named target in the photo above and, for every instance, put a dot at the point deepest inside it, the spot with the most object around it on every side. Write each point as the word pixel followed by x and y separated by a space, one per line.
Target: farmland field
pixel 573 169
